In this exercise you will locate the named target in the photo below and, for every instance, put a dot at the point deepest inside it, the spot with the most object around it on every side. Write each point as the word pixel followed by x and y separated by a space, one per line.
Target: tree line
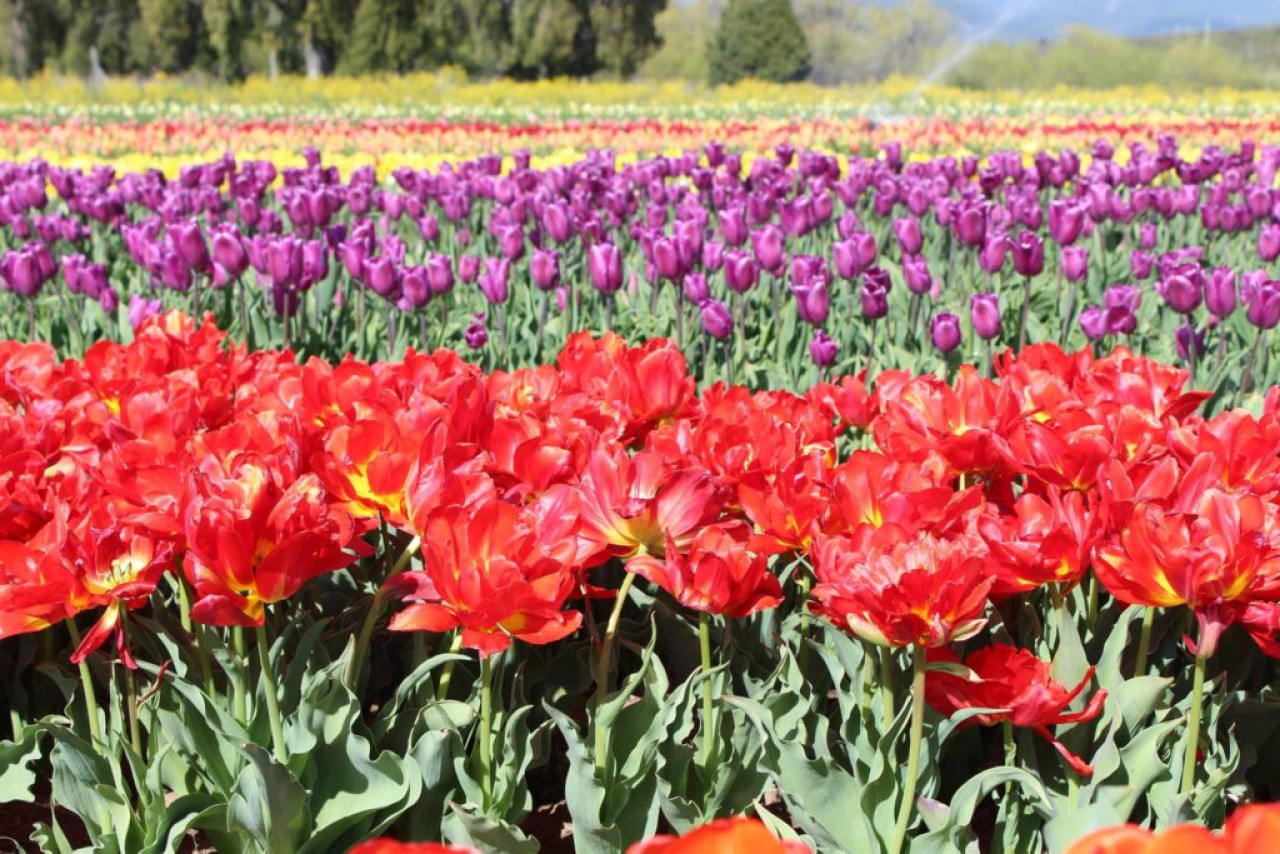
pixel 523 39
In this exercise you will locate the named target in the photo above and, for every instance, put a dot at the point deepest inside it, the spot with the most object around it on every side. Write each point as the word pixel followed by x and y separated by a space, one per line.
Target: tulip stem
pixel 442 689
pixel 887 710
pixel 802 654
pixel 1007 807
pixel 239 703
pixel 90 698
pixel 709 721
pixel 1026 309
pixel 486 722
pixel 371 618
pixel 269 693
pixel 913 755
pixel 1246 376
pixel 1144 641
pixel 604 668
pixel 1193 727
pixel 130 687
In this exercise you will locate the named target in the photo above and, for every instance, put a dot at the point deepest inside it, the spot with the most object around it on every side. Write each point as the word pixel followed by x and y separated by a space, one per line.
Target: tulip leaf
pixel 268 806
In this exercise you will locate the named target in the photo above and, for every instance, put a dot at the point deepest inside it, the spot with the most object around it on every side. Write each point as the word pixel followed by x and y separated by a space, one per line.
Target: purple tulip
pixel 1093 320
pixel 476 335
pixel 822 349
pixel 381 276
pixel 984 314
pixel 712 255
pixel 1220 292
pixel 844 258
pixel 695 288
pixel 1141 264
pixel 468 268
pixel 909 235
pixel 915 270
pixel 414 289
pixel 544 268
pixel 767 243
pixel 1182 293
pixel 439 274
pixel 1262 303
pixel 229 252
pixel 1028 254
pixel 716 319
pixel 994 251
pixel 109 299
pixel 1269 242
pixel 875 301
pixel 494 280
pixel 555 218
pixel 971 225
pixel 188 242
pixel 945 328
pixel 1066 221
pixel 605 263
pixel 1189 343
pixel 1074 263
pixel 1147 236
pixel 666 259
pixel 733 225
pixel 140 308
pixel 740 271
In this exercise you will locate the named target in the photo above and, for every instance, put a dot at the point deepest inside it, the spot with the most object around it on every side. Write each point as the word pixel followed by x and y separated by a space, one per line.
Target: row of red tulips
pixel 170 493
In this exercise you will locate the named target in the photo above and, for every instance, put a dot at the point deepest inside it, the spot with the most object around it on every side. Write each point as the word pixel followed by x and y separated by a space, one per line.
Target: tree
pixel 626 33
pixel 550 38
pixel 225 22
pixel 685 30
pixel 170 31
pixel 760 39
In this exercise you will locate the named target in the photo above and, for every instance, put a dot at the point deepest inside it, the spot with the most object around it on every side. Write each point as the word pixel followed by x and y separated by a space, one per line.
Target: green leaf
pixel 466 826
pixel 268 807
pixel 16 776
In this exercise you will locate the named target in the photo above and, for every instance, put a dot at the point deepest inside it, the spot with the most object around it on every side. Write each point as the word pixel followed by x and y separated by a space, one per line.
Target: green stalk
pixel 90 698
pixel 371 618
pixel 604 668
pixel 1091 611
pixel 1009 832
pixel 239 700
pixel 709 721
pixel 887 710
pixel 1144 641
pixel 913 755
pixel 442 690
pixel 269 692
pixel 802 654
pixel 130 688
pixel 483 734
pixel 1193 727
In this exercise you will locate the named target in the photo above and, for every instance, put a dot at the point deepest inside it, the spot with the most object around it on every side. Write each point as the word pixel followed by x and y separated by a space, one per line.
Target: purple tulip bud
pixel 544 268
pixel 984 313
pixel 494 280
pixel 716 320
pixel 605 263
pixel 994 251
pixel 1141 264
pixel 511 243
pixel 740 271
pixel 695 288
pixel 439 274
pixel 875 301
pixel 666 259
pixel 768 245
pixel 414 289
pixel 971 225
pixel 229 252
pixel 1189 341
pixel 916 272
pixel 844 257
pixel 382 276
pixel 945 328
pixel 733 225
pixel 909 235
pixel 140 308
pixel 822 349
pixel 1028 254
pixel 1147 235
pixel 555 219
pixel 1093 320
pixel 1269 242
pixel 468 268
pixel 1220 292
pixel 1262 304
pixel 109 299
pixel 712 255
pixel 188 242
pixel 476 335
pixel 1066 221
pixel 1074 263
pixel 1182 293
pixel 864 244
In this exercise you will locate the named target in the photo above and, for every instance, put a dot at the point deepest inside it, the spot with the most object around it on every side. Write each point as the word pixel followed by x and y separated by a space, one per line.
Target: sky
pixel 1035 19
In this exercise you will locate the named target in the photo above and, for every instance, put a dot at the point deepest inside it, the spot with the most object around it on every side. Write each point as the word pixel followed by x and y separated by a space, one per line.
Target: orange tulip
pixel 391 846
pixel 720 574
pixel 1251 829
pixel 725 836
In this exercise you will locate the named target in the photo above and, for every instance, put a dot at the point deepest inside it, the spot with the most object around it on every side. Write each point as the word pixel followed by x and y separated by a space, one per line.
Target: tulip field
pixel 685 480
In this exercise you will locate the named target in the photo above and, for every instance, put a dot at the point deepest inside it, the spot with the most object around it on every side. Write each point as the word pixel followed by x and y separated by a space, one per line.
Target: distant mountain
pixel 1043 19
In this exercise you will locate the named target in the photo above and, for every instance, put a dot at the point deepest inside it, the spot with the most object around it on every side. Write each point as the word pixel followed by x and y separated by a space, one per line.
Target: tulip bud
pixel 494 280
pixel 476 335
pixel 822 349
pixel 768 245
pixel 909 235
pixel 971 225
pixel 415 292
pixel 740 271
pixel 229 252
pixel 1269 242
pixel 605 263
pixel 1147 236
pixel 1220 292
pixel 875 301
pixel 1093 320
pixel 468 268
pixel 916 272
pixel 439 274
pixel 993 253
pixel 1262 305
pixel 712 255
pixel 733 225
pixel 511 243
pixel 381 276
pixel 1182 293
pixel 666 259
pixel 695 288
pixel 109 299
pixel 844 259
pixel 984 314
pixel 544 268
pixel 1066 221
pixel 1074 263
pixel 140 308
pixel 716 319
pixel 1141 264
pixel 1189 344
pixel 1028 254
pixel 945 328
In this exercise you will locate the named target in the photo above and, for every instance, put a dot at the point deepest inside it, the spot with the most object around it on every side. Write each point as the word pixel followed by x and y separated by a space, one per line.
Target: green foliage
pixel 171 32
pixel 760 39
